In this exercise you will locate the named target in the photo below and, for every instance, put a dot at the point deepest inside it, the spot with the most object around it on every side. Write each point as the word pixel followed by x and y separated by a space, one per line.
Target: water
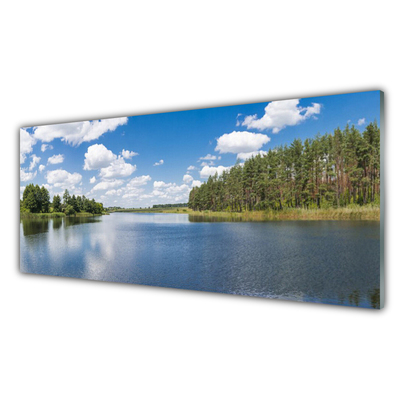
pixel 335 262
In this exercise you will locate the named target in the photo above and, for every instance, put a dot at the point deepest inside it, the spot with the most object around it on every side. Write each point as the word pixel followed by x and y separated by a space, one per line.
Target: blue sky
pixel 155 159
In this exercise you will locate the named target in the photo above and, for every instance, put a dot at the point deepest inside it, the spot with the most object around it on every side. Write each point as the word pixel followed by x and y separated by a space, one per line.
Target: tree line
pixel 36 199
pixel 331 170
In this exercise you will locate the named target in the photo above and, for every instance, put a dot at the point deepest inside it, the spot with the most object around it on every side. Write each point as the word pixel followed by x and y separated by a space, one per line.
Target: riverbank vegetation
pixel 334 176
pixel 35 203
pixel 370 212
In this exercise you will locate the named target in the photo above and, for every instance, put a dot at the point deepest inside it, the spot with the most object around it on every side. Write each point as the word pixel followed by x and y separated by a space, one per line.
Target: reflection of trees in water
pixel 33 226
pixel 375 298
pixel 71 221
pixel 57 223
pixel 42 225
pixel 354 298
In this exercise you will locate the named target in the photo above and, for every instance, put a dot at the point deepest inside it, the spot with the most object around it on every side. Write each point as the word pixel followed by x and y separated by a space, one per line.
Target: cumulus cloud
pixel 246 156
pixel 98 156
pixel 26 142
pixel 34 162
pixel 210 171
pixel 187 178
pixel 208 157
pixel 196 183
pixel 128 154
pixel 114 192
pixel 361 121
pixel 44 147
pixel 191 168
pixel 63 179
pixel 76 133
pixel 134 194
pixel 26 176
pixel 161 162
pixel 138 181
pixel 56 159
pixel 280 114
pixel 161 184
pixel 117 169
pixel 108 185
pixel 241 142
pixel 92 179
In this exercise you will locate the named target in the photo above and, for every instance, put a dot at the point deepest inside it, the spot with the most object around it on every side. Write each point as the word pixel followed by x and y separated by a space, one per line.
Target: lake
pixel 333 262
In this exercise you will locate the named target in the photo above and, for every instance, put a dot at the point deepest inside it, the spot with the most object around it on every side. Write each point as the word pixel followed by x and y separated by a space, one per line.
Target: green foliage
pixel 333 170
pixel 36 200
pixel 69 210
pixel 57 203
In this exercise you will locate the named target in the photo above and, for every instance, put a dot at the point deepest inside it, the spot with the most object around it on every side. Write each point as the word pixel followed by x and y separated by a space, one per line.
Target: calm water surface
pixel 334 262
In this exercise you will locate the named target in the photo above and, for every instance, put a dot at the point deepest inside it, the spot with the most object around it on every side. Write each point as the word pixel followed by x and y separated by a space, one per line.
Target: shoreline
pixel 56 215
pixel 364 213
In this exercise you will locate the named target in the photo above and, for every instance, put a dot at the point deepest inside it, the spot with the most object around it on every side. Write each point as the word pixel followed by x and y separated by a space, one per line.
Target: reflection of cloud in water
pixel 100 255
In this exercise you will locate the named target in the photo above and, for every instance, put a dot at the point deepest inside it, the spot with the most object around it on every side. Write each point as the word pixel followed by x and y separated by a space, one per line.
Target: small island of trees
pixel 36 201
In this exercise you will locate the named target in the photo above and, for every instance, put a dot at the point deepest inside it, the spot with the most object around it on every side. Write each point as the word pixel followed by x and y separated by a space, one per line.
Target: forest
pixel 327 171
pixel 36 199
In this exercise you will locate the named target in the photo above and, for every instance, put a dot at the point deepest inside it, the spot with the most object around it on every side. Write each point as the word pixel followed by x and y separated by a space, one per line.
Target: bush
pixel 69 210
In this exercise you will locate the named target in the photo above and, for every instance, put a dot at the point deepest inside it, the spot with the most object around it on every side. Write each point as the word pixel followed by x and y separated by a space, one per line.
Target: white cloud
pixel 56 159
pixel 108 185
pixel 279 114
pixel 161 184
pixel 241 142
pixel 41 168
pixel 44 147
pixel 92 179
pixel 128 154
pixel 117 169
pixel 196 183
pixel 26 176
pixel 204 163
pixel 114 192
pixel 161 162
pixel 63 179
pixel 191 168
pixel 246 156
pixel 208 157
pixel 138 181
pixel 187 178
pixel 21 191
pixel 361 121
pixel 210 171
pixel 177 189
pixel 76 133
pixel 133 193
pixel 26 142
pixel 98 156
pixel 34 162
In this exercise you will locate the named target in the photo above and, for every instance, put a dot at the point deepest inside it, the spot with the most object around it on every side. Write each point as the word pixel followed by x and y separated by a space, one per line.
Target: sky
pixel 152 159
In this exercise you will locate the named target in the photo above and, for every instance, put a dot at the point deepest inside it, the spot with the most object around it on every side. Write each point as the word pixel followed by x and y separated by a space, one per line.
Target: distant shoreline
pixel 365 213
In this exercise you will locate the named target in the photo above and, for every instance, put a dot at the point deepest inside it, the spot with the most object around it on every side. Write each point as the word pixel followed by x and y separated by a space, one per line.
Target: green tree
pixel 56 203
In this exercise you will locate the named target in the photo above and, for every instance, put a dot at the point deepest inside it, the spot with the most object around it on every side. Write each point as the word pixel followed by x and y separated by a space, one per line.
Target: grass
pixel 170 210
pixel 371 213
pixel 29 215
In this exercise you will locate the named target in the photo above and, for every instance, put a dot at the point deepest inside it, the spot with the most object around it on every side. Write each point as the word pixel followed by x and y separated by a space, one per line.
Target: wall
pixel 71 339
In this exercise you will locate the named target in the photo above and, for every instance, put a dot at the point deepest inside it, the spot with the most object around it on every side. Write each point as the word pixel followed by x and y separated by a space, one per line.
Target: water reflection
pixel 333 262
pixel 35 226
